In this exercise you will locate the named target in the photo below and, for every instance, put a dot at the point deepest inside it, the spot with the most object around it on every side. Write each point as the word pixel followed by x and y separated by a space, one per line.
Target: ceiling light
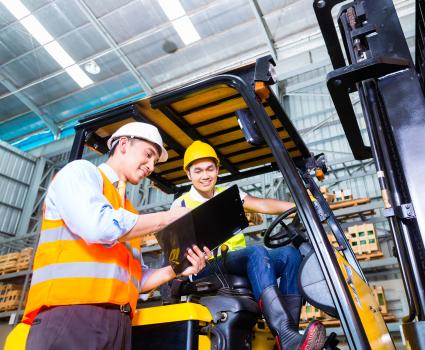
pixel 16 8
pixel 79 76
pixel 180 21
pixel 36 29
pixel 172 8
pixel 187 32
pixel 33 26
pixel 59 54
pixel 92 67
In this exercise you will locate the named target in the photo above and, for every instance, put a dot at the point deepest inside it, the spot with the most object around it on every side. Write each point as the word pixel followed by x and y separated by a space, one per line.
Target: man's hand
pixel 176 213
pixel 198 260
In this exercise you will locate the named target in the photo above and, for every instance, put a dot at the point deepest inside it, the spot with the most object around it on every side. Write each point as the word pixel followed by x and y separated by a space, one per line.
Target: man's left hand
pixel 197 258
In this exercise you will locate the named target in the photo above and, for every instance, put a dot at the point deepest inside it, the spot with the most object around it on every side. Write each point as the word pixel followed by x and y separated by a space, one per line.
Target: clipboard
pixel 209 224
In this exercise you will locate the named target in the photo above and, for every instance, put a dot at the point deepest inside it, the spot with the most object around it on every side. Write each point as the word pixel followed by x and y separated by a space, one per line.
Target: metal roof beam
pixel 111 42
pixel 195 135
pixel 27 102
pixel 264 27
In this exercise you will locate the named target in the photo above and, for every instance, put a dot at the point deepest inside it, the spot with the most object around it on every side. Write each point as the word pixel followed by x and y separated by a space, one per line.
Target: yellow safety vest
pixel 69 271
pixel 234 243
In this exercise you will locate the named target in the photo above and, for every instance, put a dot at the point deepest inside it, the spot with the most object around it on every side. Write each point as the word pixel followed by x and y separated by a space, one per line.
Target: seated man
pixel 280 305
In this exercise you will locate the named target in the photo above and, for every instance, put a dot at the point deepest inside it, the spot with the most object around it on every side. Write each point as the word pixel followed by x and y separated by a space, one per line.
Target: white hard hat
pixel 143 131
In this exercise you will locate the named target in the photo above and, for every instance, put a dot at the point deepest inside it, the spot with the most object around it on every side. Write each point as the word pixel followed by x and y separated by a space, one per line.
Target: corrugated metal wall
pixel 16 170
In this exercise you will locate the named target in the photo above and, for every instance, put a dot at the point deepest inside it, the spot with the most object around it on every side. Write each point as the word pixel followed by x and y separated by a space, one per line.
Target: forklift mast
pixel 420 44
pixel 379 67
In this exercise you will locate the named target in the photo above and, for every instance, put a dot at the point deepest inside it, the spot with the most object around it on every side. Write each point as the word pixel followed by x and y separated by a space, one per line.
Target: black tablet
pixel 210 225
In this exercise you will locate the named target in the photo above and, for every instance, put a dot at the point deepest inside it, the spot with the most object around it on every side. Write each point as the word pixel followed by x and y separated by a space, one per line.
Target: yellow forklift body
pixel 17 338
pixel 367 307
pixel 204 342
pixel 175 313
pixel 262 338
pixel 171 313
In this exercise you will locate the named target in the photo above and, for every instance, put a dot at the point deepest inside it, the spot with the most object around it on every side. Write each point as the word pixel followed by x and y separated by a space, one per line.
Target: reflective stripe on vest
pixel 63 234
pixel 82 270
pixel 69 271
pixel 234 243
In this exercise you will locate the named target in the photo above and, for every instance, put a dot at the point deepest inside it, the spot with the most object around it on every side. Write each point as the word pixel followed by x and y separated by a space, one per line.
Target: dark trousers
pixel 80 327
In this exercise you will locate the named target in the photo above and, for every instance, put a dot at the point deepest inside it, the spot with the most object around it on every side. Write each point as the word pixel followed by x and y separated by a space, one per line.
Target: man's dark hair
pixel 115 144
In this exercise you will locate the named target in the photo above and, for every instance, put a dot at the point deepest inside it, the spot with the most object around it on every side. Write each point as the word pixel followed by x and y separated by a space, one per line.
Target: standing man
pixel 87 268
pixel 281 305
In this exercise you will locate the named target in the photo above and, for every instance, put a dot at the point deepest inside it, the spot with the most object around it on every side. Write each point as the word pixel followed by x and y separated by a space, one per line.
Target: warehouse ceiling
pixel 60 60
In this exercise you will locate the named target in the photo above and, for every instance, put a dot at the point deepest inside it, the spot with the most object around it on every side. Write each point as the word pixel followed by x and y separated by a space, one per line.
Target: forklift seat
pixel 222 284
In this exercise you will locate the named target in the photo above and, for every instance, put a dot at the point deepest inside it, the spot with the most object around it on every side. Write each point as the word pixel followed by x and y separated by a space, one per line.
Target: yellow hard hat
pixel 198 150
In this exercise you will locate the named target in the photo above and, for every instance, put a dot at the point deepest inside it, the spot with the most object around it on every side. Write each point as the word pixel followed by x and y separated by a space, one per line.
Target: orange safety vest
pixel 69 271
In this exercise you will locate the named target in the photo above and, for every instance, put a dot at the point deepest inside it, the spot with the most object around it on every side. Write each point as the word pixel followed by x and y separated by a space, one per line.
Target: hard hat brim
pixel 163 152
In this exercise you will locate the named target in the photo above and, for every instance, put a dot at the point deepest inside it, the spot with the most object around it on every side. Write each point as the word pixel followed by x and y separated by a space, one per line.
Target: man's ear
pixel 123 144
pixel 188 175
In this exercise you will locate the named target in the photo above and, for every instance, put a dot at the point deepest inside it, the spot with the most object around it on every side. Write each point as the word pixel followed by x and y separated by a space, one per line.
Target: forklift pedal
pixel 331 342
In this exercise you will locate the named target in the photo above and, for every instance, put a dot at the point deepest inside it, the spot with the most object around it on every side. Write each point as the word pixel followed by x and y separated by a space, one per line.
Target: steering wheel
pixel 287 233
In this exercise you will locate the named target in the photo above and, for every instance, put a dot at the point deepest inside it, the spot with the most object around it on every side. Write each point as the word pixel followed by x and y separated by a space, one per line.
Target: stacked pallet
pixel 8 262
pixel 17 261
pixel 378 292
pixel 364 241
pixel 24 258
pixel 343 195
pixel 10 295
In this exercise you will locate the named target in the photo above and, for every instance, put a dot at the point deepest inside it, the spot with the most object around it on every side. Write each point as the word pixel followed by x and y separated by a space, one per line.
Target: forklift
pixel 238 113
pixel 240 116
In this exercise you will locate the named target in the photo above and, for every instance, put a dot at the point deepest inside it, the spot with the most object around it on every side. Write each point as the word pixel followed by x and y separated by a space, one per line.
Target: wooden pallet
pixel 7 287
pixel 8 267
pixel 9 257
pixel 17 261
pixel 370 256
pixel 11 300
pixel 22 266
pixel 349 203
pixel 10 295
pixel 8 263
pixel 24 259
